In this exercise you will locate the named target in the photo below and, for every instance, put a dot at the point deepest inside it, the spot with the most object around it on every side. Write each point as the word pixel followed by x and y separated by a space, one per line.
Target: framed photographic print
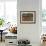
pixel 27 17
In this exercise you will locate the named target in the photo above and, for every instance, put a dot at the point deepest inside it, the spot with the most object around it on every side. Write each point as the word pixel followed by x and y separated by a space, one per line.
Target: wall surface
pixel 30 31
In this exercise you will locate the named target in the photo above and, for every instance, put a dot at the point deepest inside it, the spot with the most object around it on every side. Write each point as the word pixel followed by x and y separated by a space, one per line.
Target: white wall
pixel 30 31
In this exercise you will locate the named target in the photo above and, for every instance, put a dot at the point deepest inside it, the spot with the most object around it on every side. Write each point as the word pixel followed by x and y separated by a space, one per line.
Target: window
pixel 8 10
pixel 1 9
pixel 44 12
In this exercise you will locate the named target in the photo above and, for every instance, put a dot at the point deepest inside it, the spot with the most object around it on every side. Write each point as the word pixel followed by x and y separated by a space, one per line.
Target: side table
pixel 1 34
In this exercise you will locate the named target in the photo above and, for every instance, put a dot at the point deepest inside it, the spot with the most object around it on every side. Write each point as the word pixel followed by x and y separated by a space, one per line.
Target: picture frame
pixel 27 17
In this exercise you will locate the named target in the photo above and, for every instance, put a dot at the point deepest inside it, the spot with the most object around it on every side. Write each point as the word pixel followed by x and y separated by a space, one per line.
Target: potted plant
pixel 1 22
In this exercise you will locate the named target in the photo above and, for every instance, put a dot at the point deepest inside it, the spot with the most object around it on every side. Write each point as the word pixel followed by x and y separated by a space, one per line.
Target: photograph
pixel 27 17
